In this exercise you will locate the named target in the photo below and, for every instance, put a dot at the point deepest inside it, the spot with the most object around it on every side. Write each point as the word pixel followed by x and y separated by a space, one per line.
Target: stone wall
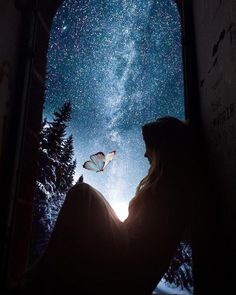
pixel 10 30
pixel 215 29
pixel 215 39
pixel 24 35
pixel 10 33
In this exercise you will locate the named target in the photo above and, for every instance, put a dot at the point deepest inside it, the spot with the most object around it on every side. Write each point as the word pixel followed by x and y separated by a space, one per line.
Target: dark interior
pixel 209 55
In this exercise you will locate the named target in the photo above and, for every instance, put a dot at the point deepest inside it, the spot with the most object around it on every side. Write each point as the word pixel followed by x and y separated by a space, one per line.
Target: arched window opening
pixel 112 67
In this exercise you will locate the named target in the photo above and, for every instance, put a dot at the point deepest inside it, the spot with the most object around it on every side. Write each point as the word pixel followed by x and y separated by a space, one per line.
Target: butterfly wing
pixel 99 160
pixel 109 157
pixel 90 165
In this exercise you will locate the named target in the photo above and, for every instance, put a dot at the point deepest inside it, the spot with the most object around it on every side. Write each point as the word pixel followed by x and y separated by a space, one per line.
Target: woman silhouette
pixel 92 252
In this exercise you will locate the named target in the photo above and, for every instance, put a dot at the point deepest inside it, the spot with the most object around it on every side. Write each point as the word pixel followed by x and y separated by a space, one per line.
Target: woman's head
pixel 167 140
pixel 169 148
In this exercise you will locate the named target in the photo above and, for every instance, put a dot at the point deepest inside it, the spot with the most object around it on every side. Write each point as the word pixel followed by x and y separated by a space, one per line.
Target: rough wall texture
pixel 216 52
pixel 10 27
pixel 24 35
pixel 215 36
pixel 10 35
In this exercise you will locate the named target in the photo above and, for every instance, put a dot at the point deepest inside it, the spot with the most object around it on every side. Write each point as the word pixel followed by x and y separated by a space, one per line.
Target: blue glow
pixel 120 63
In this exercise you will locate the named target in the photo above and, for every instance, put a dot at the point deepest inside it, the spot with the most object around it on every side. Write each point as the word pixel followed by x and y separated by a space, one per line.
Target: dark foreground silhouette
pixel 92 252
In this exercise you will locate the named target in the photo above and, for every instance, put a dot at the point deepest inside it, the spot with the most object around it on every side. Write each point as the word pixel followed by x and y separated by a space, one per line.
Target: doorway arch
pixel 37 20
pixel 65 39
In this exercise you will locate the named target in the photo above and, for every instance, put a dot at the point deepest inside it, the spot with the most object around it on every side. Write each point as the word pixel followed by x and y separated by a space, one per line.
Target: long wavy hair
pixel 172 152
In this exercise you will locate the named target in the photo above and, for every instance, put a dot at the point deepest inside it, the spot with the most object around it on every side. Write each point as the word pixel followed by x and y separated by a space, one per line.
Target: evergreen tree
pixel 65 171
pixel 56 131
pixel 56 168
pixel 180 270
pixel 46 177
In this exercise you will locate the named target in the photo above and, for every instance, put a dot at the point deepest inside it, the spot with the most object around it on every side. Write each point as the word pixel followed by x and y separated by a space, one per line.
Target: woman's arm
pixel 155 229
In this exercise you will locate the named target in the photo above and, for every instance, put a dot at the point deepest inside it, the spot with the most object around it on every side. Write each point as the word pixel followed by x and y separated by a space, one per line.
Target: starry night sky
pixel 120 63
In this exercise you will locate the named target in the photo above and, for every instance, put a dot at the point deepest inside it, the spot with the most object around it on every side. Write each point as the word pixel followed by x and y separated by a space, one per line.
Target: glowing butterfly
pixel 99 161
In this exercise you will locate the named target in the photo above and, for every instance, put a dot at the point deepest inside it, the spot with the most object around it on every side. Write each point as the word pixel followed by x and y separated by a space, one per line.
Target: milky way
pixel 120 63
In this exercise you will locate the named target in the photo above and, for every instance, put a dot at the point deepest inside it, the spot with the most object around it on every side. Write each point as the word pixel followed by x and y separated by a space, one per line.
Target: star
pixel 120 63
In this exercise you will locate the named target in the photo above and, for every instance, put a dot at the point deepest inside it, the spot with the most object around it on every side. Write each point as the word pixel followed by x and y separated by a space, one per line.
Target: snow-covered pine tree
pixel 64 176
pixel 56 168
pixel 56 138
pixel 180 270
pixel 45 186
pixel 56 131
pixel 65 171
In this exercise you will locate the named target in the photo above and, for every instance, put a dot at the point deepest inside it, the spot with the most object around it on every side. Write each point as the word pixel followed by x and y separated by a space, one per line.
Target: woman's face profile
pixel 148 154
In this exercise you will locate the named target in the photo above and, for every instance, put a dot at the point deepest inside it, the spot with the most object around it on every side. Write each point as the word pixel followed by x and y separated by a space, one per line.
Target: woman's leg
pixel 85 248
pixel 67 253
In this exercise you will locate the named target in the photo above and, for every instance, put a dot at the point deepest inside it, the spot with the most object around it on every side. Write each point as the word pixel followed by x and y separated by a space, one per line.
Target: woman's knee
pixel 79 187
pixel 78 192
pixel 75 204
